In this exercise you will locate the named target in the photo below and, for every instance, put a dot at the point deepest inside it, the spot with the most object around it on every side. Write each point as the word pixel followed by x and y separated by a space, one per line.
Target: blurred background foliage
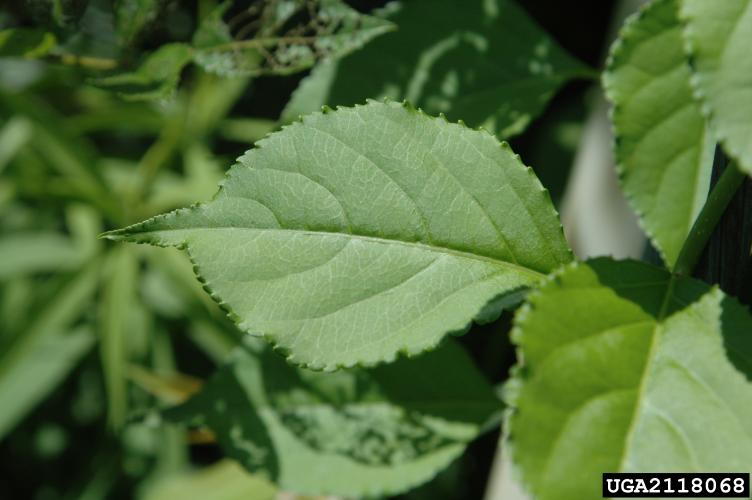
pixel 111 112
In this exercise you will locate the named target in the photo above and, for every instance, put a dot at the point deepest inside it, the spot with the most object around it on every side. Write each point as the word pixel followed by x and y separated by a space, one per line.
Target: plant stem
pixel 90 62
pixel 709 216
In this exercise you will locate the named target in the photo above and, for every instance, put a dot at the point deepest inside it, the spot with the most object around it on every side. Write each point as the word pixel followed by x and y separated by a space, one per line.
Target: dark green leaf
pixel 486 63
pixel 382 430
pixel 133 16
pixel 37 359
pixel 26 42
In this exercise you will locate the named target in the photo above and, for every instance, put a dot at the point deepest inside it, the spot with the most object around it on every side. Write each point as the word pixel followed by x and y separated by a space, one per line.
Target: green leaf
pixel 26 42
pixel 156 78
pixel 224 480
pixel 382 430
pixel 58 13
pixel 63 150
pixel 14 135
pixel 486 63
pixel 717 36
pixel 628 369
pixel 331 29
pixel 363 232
pixel 663 149
pixel 37 252
pixel 114 333
pixel 37 359
pixel 132 17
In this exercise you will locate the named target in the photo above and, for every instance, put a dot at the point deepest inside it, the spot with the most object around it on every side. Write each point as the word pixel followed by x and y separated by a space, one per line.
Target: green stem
pixel 711 213
pixel 97 63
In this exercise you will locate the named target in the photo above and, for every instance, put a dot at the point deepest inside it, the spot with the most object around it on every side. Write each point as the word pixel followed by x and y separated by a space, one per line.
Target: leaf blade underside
pixel 717 38
pixel 363 232
pixel 662 146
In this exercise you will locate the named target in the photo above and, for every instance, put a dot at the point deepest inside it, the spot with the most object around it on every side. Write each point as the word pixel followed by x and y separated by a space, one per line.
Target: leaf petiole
pixel 711 212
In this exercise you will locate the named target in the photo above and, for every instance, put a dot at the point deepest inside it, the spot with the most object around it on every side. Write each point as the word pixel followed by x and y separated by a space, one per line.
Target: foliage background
pixel 94 334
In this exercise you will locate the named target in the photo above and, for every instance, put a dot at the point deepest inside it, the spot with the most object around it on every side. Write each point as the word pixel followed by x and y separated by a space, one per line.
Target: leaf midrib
pixel 641 386
pixel 538 275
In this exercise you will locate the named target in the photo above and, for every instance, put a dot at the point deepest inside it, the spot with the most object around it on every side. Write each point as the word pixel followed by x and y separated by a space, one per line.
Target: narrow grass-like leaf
pixel 717 36
pixel 382 430
pixel 485 62
pixel 37 252
pixel 14 134
pixel 115 309
pixel 628 369
pixel 366 231
pixel 663 148
pixel 37 359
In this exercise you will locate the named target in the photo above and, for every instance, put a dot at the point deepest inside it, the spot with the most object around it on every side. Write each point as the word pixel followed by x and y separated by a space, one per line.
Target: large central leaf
pixel 628 369
pixel 366 231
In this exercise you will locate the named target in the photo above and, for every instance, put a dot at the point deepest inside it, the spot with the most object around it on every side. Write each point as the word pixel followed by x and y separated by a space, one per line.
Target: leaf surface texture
pixel 382 430
pixel 662 145
pixel 627 369
pixel 487 63
pixel 717 36
pixel 356 234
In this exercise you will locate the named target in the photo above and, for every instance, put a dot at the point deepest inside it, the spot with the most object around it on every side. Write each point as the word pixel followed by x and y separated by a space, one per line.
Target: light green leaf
pixel 64 151
pixel 114 333
pixel 364 232
pixel 663 149
pixel 16 300
pixel 627 369
pixel 382 430
pixel 331 29
pixel 14 135
pixel 37 252
pixel 224 480
pixel 37 359
pixel 485 62
pixel 26 42
pixel 156 78
pixel 201 173
pixel 717 36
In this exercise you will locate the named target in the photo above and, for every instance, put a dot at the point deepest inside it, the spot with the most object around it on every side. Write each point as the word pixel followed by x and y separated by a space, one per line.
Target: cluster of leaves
pixel 354 235
pixel 263 37
pixel 90 162
pixel 71 304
